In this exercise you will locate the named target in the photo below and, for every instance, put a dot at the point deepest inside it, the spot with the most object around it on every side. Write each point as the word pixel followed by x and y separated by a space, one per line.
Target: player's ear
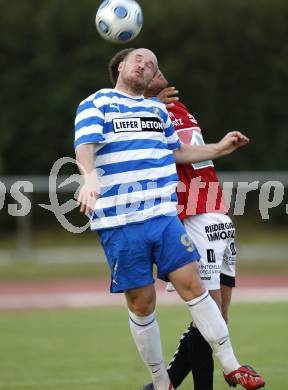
pixel 120 66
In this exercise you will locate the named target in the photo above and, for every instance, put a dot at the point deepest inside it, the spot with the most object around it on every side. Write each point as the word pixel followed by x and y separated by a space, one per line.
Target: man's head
pixel 136 68
pixel 156 85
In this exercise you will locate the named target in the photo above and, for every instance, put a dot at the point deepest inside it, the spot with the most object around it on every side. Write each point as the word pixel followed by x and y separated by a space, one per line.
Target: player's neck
pixel 132 91
pixel 152 92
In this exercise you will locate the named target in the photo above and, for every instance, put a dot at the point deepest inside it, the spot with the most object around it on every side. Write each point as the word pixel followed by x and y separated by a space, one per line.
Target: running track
pixel 93 293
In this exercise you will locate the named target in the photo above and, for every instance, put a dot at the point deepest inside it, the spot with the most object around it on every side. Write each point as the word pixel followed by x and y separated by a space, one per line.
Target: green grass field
pixel 92 349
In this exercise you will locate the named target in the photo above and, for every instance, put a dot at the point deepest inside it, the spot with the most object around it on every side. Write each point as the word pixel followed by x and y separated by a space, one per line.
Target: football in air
pixel 119 21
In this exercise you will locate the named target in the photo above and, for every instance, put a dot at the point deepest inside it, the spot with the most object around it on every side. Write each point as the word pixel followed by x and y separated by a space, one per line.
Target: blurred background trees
pixel 229 59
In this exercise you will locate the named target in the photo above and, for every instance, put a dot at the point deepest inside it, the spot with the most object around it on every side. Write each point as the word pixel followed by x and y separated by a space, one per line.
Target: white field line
pixel 97 299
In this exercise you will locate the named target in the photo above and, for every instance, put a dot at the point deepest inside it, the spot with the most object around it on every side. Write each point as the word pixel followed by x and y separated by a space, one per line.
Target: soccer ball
pixel 119 21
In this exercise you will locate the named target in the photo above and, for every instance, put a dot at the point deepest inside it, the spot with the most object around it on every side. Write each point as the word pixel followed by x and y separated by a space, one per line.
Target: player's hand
pixel 88 195
pixel 167 96
pixel 232 141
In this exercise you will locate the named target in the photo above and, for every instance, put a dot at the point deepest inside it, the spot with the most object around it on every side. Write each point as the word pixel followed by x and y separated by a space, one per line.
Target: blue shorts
pixel 132 249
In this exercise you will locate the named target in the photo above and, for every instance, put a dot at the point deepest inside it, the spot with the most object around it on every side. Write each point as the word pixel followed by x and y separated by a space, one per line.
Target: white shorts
pixel 214 237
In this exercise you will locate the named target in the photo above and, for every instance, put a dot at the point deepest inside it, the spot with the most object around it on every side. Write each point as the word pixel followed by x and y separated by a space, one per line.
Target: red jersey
pixel 199 190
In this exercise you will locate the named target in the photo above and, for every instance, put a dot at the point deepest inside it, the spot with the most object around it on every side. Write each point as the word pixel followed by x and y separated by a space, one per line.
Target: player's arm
pixel 89 192
pixel 197 153
pixel 89 123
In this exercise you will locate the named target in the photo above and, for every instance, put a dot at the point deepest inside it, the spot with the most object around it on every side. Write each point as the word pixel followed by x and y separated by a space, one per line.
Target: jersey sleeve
pixel 89 122
pixel 170 134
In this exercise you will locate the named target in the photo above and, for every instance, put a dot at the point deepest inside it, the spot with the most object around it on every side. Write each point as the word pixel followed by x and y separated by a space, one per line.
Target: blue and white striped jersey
pixel 134 140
